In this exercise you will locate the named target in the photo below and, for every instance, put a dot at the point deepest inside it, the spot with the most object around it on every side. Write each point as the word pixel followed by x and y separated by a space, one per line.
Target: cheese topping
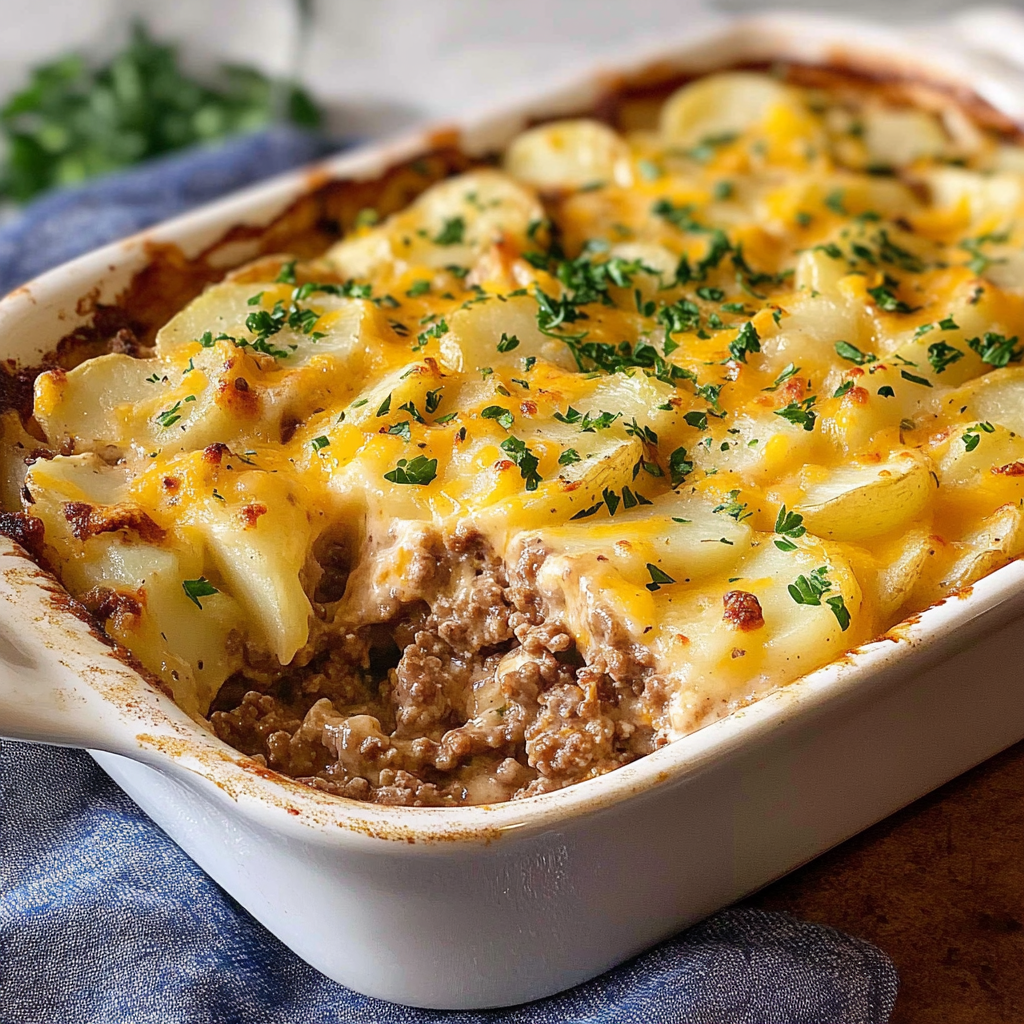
pixel 728 397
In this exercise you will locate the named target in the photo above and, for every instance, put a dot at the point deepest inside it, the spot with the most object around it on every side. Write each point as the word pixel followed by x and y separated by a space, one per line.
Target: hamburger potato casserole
pixel 582 449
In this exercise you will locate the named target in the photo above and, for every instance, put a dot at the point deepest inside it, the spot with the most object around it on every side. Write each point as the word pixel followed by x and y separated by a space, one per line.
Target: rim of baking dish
pixel 163 736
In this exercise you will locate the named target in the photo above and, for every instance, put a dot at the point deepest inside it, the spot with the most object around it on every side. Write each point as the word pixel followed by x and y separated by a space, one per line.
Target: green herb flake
pixel 679 466
pixel 941 355
pixel 915 379
pixel 502 415
pixel 852 354
pixel 800 414
pixel 419 470
pixel 659 578
pixel 452 232
pixel 745 342
pixel 527 462
pixel 195 589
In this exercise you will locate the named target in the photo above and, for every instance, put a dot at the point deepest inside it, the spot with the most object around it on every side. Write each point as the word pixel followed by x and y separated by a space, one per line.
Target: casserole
pixel 705 820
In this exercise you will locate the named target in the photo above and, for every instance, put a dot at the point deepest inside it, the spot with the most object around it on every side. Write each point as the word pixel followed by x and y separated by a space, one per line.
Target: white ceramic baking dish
pixel 485 906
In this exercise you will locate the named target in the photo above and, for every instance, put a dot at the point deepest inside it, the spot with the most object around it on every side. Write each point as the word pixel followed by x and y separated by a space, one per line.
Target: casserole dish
pixel 441 908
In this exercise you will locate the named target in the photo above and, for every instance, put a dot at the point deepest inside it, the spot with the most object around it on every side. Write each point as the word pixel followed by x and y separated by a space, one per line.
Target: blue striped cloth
pixel 103 919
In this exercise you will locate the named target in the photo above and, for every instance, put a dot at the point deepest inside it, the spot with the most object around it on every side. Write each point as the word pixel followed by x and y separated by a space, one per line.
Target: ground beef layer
pixel 471 694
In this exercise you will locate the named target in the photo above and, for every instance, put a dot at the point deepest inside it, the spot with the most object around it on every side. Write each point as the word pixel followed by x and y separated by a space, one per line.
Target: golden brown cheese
pixel 750 383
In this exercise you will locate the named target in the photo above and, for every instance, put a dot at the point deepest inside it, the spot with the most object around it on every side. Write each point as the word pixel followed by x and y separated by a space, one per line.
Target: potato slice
pixel 999 538
pixel 901 567
pixel 723 104
pixel 897 136
pixel 865 499
pixel 153 616
pixel 975 450
pixel 717 665
pixel 347 329
pixel 453 222
pixel 990 199
pixel 997 398
pixel 475 332
pixel 678 533
pixel 569 154
pixel 262 562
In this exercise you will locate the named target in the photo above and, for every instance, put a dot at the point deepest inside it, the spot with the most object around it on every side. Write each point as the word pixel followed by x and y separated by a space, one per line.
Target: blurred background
pixel 365 67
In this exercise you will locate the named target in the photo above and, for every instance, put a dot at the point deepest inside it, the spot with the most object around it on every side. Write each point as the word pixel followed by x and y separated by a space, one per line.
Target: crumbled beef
pixel 471 692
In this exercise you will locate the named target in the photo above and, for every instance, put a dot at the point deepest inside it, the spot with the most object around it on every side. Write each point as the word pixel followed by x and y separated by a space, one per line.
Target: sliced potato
pixel 999 538
pixel 860 500
pixel 897 136
pixel 975 450
pixel 569 154
pixel 453 222
pixel 476 331
pixel 678 533
pixel 997 398
pixel 261 558
pixel 723 104
pixel 902 564
pixel 153 615
pixel 718 665
pixel 989 199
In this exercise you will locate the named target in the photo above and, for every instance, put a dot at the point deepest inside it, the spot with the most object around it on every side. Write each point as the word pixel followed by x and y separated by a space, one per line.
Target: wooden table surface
pixel 940 887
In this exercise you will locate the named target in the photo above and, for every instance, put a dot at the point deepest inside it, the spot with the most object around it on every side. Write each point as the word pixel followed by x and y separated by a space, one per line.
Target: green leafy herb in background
pixel 73 121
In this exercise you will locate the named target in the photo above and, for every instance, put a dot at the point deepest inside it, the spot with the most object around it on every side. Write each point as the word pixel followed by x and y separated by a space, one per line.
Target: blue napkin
pixel 104 919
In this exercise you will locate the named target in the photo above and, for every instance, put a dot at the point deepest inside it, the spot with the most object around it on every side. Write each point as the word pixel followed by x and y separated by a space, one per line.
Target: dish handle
pixel 48 664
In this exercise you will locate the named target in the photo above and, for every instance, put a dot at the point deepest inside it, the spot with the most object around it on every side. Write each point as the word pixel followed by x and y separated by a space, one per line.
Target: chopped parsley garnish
pixel 286 275
pixel 418 288
pixel 697 419
pixel 996 349
pixel 887 301
pixel 402 430
pixel 834 201
pixel 915 379
pixel 972 435
pixel 734 508
pixel 169 417
pixel 843 389
pixel 800 414
pixel 524 459
pixel 568 457
pixel 852 354
pixel 507 343
pixel 886 392
pixel 790 526
pixel 499 413
pixel 679 466
pixel 811 588
pixel 658 577
pixel 941 355
pixel 433 400
pixel 745 342
pixel 789 371
pixel 434 331
pixel 320 442
pixel 419 470
pixel 195 589
pixel 452 232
